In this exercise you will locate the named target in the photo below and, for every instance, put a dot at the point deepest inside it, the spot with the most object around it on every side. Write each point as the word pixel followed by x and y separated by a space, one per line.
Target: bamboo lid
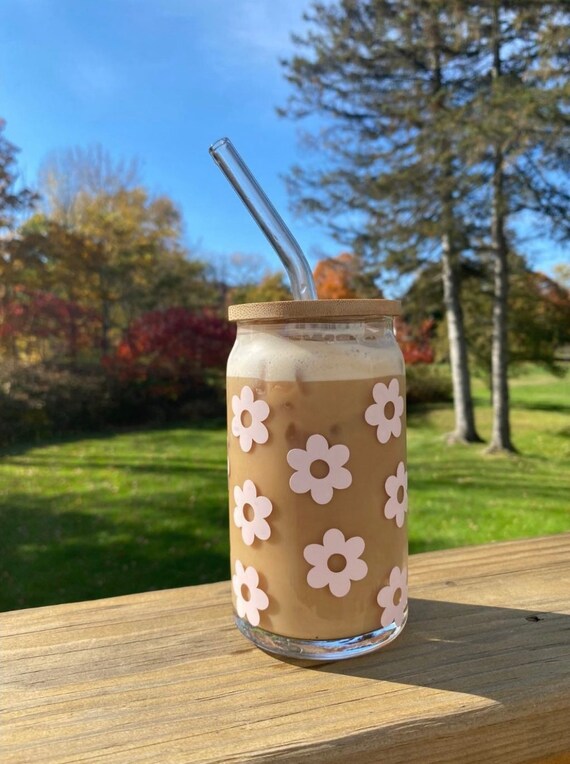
pixel 313 310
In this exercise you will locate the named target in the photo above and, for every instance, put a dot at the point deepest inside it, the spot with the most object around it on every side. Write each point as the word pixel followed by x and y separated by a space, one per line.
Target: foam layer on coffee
pixel 269 356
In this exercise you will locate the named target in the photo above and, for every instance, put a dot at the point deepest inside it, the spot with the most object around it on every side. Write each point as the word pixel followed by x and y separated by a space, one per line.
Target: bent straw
pixel 266 217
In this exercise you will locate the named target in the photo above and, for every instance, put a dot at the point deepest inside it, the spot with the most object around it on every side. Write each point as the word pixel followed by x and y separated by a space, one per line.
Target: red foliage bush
pixel 31 315
pixel 415 343
pixel 173 353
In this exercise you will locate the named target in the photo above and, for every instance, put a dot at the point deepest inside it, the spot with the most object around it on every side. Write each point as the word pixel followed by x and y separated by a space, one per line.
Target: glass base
pixel 320 649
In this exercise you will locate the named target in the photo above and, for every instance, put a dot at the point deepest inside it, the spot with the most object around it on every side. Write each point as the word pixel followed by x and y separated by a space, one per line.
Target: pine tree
pixel 521 137
pixel 439 124
pixel 389 81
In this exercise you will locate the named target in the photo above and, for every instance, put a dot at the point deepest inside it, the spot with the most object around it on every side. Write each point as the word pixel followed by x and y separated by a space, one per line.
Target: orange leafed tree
pixel 335 277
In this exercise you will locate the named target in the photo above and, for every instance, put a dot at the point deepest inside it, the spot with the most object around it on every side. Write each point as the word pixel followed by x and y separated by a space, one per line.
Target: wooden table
pixel 481 674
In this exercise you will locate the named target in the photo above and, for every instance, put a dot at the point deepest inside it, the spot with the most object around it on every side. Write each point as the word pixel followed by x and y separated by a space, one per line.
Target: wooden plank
pixel 481 673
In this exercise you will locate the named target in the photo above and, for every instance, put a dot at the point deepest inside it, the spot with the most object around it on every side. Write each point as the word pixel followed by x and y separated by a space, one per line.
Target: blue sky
pixel 161 80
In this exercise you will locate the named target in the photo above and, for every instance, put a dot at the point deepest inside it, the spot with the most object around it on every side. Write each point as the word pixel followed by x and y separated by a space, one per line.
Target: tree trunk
pixel 465 431
pixel 501 436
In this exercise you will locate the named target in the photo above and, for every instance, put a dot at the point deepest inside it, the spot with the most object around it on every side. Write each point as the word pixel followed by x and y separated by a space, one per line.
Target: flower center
pixel 336 563
pixel 246 419
pixel 400 495
pixel 398 596
pixel 389 410
pixel 245 593
pixel 319 468
pixel 248 512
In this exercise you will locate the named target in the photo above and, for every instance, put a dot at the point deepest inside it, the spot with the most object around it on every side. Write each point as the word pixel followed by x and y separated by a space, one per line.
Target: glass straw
pixel 267 218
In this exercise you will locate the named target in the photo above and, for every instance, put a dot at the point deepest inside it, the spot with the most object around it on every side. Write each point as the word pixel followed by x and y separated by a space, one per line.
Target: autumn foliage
pixel 334 277
pixel 33 316
pixel 173 353
pixel 340 278
pixel 415 343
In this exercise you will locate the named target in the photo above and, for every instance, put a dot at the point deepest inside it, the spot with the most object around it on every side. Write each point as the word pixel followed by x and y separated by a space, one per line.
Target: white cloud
pixel 266 27
pixel 246 32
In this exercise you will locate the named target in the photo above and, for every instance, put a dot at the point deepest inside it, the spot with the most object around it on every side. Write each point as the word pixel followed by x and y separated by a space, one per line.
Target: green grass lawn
pixel 131 512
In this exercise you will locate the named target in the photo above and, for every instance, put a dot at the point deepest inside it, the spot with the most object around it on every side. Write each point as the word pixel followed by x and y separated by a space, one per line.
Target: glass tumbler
pixel 318 483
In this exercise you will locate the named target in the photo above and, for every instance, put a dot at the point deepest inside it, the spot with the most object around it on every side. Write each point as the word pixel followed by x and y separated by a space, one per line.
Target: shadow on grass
pixel 559 408
pixel 50 556
pixel 418 414
pixel 205 468
pixel 161 433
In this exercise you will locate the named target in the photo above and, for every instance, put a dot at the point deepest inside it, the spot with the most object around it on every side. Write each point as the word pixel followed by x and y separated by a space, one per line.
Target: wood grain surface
pixel 480 674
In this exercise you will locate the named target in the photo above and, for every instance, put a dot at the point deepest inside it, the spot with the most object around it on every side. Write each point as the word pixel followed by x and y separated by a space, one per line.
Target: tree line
pixel 86 254
pixel 439 126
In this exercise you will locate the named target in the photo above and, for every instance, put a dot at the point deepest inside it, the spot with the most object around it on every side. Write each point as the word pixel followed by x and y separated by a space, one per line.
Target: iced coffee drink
pixel 317 476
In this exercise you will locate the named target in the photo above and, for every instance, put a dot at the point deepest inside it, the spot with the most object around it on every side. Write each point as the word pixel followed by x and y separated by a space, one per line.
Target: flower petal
pixel 249 492
pixel 236 406
pixel 240 570
pixel 391 509
pixel 262 529
pixel 397 577
pixel 399 406
pixel 354 547
pixel 385 597
pixel 392 485
pixel 339 584
pixel 337 456
pixel 357 570
pixel 318 577
pixel 246 396
pixel 238 496
pixel 398 612
pixel 341 478
pixel 393 389
pixel 245 440
pixel 259 410
pixel 259 432
pixel 314 554
pixel 251 577
pixel 263 507
pixel 321 490
pixel 387 617
pixel 383 433
pixel 240 606
pixel 236 426
pixel 251 613
pixel 333 541
pixel 238 516
pixel 297 458
pixel 373 414
pixel 380 393
pixel 260 599
pixel 396 426
pixel 317 447
pixel 300 482
pixel 247 533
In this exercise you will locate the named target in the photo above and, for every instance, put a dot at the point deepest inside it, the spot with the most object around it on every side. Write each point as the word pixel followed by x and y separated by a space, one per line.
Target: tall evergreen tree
pixel 521 136
pixel 440 123
pixel 389 81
